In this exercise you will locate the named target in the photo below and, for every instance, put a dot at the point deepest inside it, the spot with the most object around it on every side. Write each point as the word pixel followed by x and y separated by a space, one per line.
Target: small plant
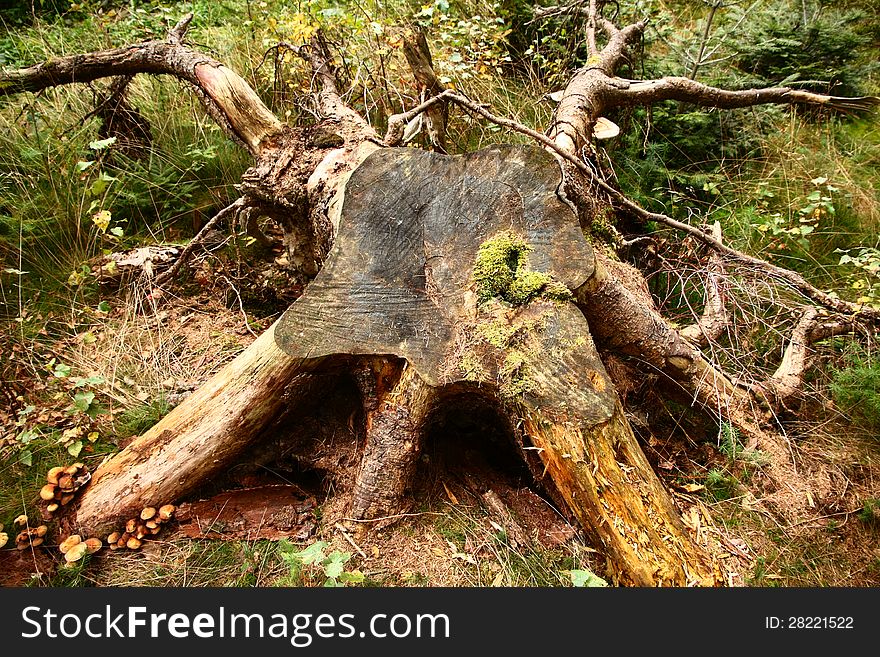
pixel 870 513
pixel 585 578
pixel 721 486
pixel 729 442
pixel 314 561
pixel 137 419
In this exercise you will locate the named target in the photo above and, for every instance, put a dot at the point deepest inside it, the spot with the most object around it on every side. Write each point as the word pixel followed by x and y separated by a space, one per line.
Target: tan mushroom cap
pixel 47 492
pixel 166 511
pixel 133 543
pixel 41 531
pixel 76 552
pixel 20 520
pixel 54 473
pixel 131 526
pixel 69 542
pixel 93 544
pixel 112 538
pixel 148 513
pixel 52 508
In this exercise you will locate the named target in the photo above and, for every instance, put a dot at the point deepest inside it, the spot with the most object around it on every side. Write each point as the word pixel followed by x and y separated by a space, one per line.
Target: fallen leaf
pixel 692 488
pixel 71 434
pixel 449 493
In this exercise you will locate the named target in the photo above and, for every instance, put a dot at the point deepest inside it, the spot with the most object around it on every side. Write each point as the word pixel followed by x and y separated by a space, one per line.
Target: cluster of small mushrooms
pixel 136 530
pixel 63 483
pixel 60 489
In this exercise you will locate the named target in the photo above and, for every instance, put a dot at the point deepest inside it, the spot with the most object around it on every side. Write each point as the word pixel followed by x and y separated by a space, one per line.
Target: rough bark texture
pixel 397 402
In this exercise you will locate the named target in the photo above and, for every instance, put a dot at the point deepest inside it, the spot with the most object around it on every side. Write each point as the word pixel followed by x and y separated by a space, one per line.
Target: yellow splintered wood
pixel 609 485
pixel 247 114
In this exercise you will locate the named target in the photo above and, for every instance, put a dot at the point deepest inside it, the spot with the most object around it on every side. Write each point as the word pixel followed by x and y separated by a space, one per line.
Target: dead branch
pixel 228 99
pixel 328 99
pixel 418 56
pixel 714 319
pixel 787 381
pixel 230 210
pixel 690 91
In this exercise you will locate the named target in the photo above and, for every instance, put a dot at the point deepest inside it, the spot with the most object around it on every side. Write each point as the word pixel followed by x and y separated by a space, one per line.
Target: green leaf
pixel 62 371
pixel 104 306
pixel 82 165
pixel 333 569
pixel 25 457
pixel 101 144
pixel 101 183
pixel 354 577
pixel 585 578
pixel 332 584
pixel 75 448
pixel 82 400
pixel 118 232
pixel 312 554
pixel 27 436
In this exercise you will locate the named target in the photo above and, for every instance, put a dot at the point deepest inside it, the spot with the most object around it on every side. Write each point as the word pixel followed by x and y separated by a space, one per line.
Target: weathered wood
pixel 399 277
pixel 197 440
pixel 446 271
pixel 402 279
pixel 397 402
pixel 571 414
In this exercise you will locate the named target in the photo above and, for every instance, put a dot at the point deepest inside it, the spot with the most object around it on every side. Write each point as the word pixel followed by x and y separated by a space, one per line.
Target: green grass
pixel 135 420
pixel 856 389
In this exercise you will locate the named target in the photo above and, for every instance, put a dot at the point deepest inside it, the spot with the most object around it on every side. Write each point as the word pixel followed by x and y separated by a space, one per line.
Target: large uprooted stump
pixel 449 275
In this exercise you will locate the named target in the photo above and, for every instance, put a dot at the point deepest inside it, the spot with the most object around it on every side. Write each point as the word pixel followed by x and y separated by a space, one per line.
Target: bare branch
pixel 418 56
pixel 230 101
pixel 690 91
pixel 397 122
pixel 715 319
pixel 788 379
pixel 231 209
pixel 329 100
pixel 178 32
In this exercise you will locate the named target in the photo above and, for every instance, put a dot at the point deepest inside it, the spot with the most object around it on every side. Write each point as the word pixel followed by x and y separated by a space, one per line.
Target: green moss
pixel 515 375
pixel 502 272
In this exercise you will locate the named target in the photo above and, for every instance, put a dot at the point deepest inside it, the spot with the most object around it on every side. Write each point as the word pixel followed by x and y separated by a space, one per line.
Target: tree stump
pixel 448 274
